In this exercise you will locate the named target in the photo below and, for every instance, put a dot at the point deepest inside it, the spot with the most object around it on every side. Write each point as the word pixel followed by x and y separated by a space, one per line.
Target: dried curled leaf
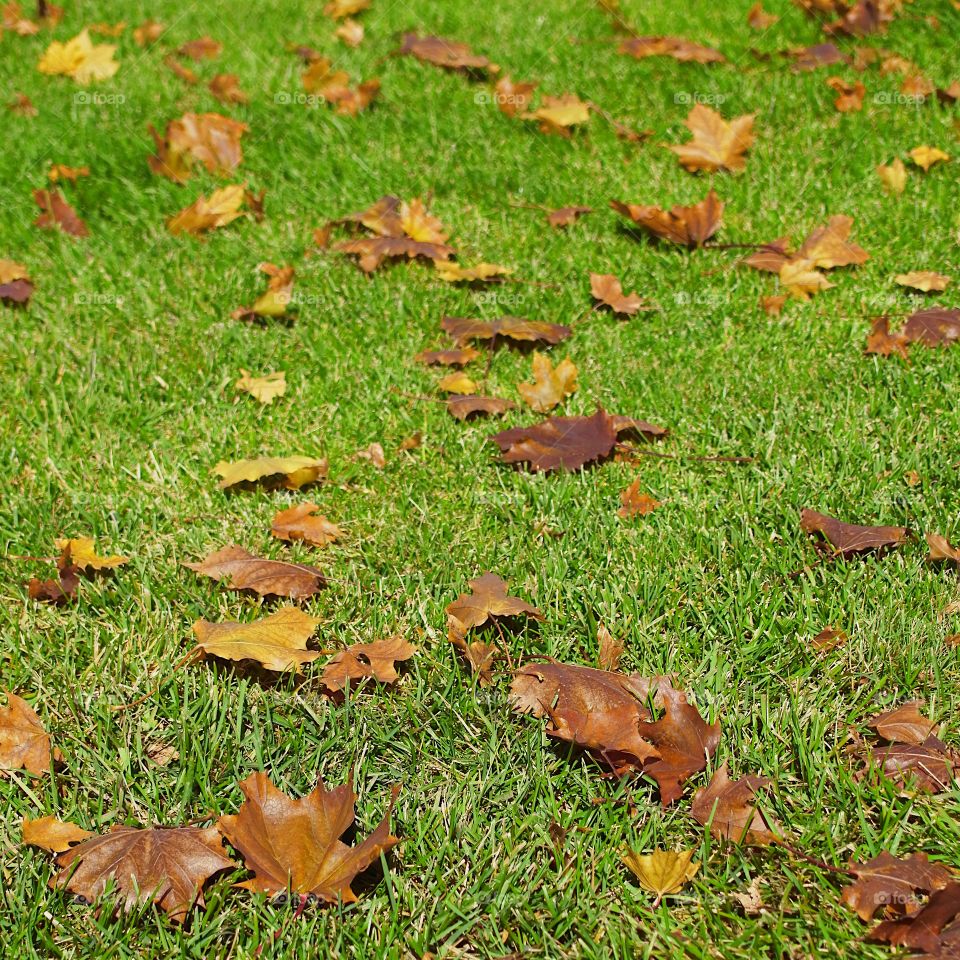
pixel 462 329
pixel 488 598
pixel 209 139
pixel 458 357
pixel 887 883
pixel 299 523
pixel 635 503
pixel 295 844
pixel 850 539
pixel 607 289
pixel 677 47
pixel 365 661
pixel 551 386
pixel 445 53
pixel 289 472
pixel 689 226
pixel 51 834
pixel 729 806
pixel 277 642
pixel 269 578
pixel 210 213
pixel 716 144
pixel 57 214
pixel 166 866
pixel 333 86
pixel 24 744
pixel 81 554
pixel 373 251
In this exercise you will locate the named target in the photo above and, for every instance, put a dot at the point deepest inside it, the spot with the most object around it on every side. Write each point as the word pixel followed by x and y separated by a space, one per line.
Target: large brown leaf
pixel 559 443
pixel 850 539
pixel 689 226
pixel 448 54
pixel 168 866
pixel 730 807
pixel 904 724
pixel 928 930
pixel 24 744
pixel 936 327
pixel 295 844
pixel 363 661
pixel 890 884
pixel 488 598
pixel 463 329
pixel 241 570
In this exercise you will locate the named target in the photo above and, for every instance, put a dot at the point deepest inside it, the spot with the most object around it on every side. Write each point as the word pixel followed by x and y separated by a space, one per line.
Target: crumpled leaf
pixel 849 95
pixel 564 216
pixel 609 649
pixel 15 283
pixel 513 98
pixel 295 844
pixel 277 642
pixel 24 744
pixel 557 115
pixel 662 872
pixel 551 384
pixel 488 598
pixel 891 884
pixel 58 214
pixel 210 213
pixel 689 226
pixel 941 549
pixel 80 59
pixel 288 472
pixel 469 405
pixel 462 329
pixel 759 19
pixel 275 300
pixel 729 806
pixel 164 865
pixel 478 654
pixel 850 539
pixel 445 53
pixel 226 88
pixel 882 341
pixel 238 569
pixel 716 144
pixel 363 661
pixel 298 523
pixel 334 87
pixel 350 32
pixel 51 834
pixel 930 767
pixel 606 288
pixel 60 591
pixel 263 389
pixel 634 503
pixel 925 157
pixel 676 47
pixel 934 930
pixel 924 280
pixel 209 139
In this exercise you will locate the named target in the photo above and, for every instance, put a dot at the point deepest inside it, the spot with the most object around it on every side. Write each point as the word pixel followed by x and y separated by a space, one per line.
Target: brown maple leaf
pixel 882 341
pixel 299 523
pixel 471 405
pixel 941 549
pixel 935 929
pixel 828 247
pixel 689 226
pixel 936 327
pixel 373 251
pixel 716 144
pixel 277 642
pixel 887 883
pixel 512 98
pixel 930 767
pixel 333 86
pixel 166 866
pixel 730 807
pixel 850 539
pixel 564 216
pixel 488 599
pixel 478 654
pixel 58 214
pixel 363 661
pixel 209 139
pixel 204 48
pixel 226 88
pixel 559 443
pixel 445 53
pixel 849 95
pixel 462 329
pixel 676 47
pixel 240 570
pixel 607 289
pixel 759 19
pixel 24 744
pixel 634 503
pixel 294 845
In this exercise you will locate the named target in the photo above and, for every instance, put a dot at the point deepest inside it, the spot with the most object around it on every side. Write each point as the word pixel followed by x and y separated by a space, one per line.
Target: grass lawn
pixel 118 400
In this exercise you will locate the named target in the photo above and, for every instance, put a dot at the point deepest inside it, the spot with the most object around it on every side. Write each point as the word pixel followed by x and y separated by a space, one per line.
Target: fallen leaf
pixel 81 554
pixel 488 598
pixel 773 304
pixel 298 523
pixel 564 216
pixel 662 872
pixel 458 383
pixel 445 53
pixel 690 226
pixel 881 341
pixel 828 247
pixel 904 724
pixel 937 327
pixel 924 280
pixel 273 303
pixel 204 48
pixel 716 144
pixel 226 88
pixel 923 930
pixel 165 866
pixel 801 279
pixel 222 207
pixel 464 407
pixel 373 454
pixel 479 655
pixel 277 642
pixel 58 214
pixel 372 251
pixel 829 638
pixel 80 59
pixel 849 95
pixel 633 503
pixel 676 47
pixel 15 283
pixel 289 472
pixel 187 75
pixel 264 389
pixel 759 19
pixel 941 549
pixel 60 171
pixel 849 539
pixel 241 570
pixel 551 385
pixel 51 834
pixel 930 767
pixel 209 139
pixel 350 32
pixel 887 883
pixel 557 115
pixel 729 806
pixel 363 661
pixel 148 32
pixel 458 357
pixel 24 744
pixel 893 176
pixel 462 329
pixel 22 106
pixel 294 845
pixel 338 9
pixel 609 649
pixel 334 87
pixel 452 272
pixel 61 591
pixel 606 288
pixel 818 55
pixel 512 98
pixel 925 157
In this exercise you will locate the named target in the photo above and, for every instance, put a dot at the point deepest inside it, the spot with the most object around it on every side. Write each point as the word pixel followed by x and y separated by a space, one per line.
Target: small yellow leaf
pixel 265 389
pixel 457 382
pixel 894 176
pixel 452 272
pixel 292 472
pixel 925 157
pixel 551 385
pixel 802 280
pixel 51 834
pixel 83 555
pixel 925 280
pixel 662 872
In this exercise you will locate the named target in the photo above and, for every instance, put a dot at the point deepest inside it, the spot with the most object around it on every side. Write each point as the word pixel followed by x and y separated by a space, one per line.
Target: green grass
pixel 118 402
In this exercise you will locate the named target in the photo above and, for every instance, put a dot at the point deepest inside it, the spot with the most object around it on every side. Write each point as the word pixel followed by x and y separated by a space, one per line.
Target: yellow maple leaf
pixel 893 176
pixel 663 872
pixel 716 144
pixel 457 382
pixel 265 389
pixel 84 556
pixel 208 213
pixel 80 59
pixel 551 384
pixel 925 157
